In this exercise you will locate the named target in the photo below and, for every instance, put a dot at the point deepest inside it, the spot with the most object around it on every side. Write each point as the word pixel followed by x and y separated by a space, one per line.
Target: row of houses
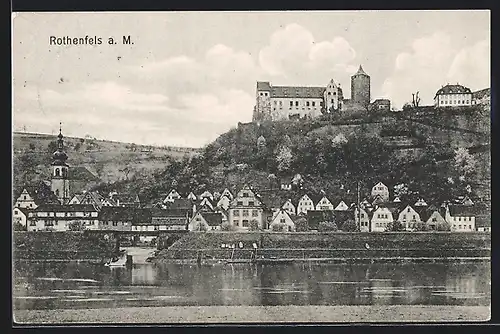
pixel 244 209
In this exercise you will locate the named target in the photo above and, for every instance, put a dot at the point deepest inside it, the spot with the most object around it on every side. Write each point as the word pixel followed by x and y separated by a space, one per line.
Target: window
pixel 296 103
pixel 251 203
pixel 470 218
pixel 332 100
pixel 245 213
pixel 244 195
pixel 470 227
pixel 57 172
pixel 291 103
pixel 459 227
pixel 239 203
pixel 334 93
pixel 362 215
pixel 236 213
pixel 408 210
pixel 235 222
pixel 255 213
pixel 329 93
pixel 199 219
pixel 413 217
pixel 115 223
pixel 282 220
pixel 459 218
pixel 260 93
pixel 245 222
pixel 281 103
pixel 313 103
pixel 307 104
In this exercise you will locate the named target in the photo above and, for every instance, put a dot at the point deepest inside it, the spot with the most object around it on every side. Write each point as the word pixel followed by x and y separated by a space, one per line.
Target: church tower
pixel 360 88
pixel 60 171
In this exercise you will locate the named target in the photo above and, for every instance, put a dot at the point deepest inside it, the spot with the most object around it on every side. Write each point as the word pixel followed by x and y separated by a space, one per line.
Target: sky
pixel 191 76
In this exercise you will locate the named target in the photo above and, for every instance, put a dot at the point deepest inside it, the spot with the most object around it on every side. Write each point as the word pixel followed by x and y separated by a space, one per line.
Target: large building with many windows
pixel 453 96
pixel 277 103
pixel 244 208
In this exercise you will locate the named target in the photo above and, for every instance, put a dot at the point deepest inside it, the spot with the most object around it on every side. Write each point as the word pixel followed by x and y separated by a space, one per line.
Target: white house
pixel 409 218
pixel 381 219
pixel 191 196
pixel 341 206
pixel 289 207
pixel 207 203
pixel 324 204
pixel 224 202
pixel 245 207
pixel 461 218
pixel 283 217
pixel 362 219
pixel 453 96
pixel 305 204
pixel 172 196
pixel 381 190
pixel 207 194
pixel 228 194
pixel 420 202
pixel 20 215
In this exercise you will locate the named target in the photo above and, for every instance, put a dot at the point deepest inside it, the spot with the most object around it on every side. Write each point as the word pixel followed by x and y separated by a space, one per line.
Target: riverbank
pixel 254 314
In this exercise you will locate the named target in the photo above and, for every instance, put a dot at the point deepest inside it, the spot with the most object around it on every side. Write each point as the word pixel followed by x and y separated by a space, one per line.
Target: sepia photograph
pixel 249 167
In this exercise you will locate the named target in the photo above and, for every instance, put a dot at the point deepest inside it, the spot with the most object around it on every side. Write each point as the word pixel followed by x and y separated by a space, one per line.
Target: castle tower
pixel 262 109
pixel 60 171
pixel 360 88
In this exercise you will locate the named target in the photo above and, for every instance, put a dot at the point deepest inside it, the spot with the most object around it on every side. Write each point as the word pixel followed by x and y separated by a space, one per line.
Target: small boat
pixel 121 262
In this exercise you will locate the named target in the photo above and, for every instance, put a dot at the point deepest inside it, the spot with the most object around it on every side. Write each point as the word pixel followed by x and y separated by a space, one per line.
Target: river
pixel 83 285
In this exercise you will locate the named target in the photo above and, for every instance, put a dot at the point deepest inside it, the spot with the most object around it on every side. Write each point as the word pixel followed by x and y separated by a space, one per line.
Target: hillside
pixel 333 155
pixel 110 161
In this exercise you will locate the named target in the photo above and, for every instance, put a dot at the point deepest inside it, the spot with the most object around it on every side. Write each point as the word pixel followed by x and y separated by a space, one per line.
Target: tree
pixel 327 226
pixel 78 146
pixel 415 99
pixel 395 226
pixel 284 158
pixel 199 227
pixel 421 227
pixel 350 226
pixel 301 225
pixel 278 227
pixel 19 227
pixel 443 227
pixel 76 226
pixel 261 143
pixel 52 146
pixel 227 227
pixel 254 225
pixel 32 146
pixel 464 163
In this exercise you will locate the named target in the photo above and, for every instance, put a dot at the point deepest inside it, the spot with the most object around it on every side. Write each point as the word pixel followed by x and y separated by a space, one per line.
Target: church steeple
pixel 59 157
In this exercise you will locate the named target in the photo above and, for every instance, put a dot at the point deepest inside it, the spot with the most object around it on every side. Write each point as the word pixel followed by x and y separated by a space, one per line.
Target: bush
pixel 301 225
pixel 421 227
pixel 254 225
pixel 227 227
pixel 19 227
pixel 278 227
pixel 395 226
pixel 443 227
pixel 327 226
pixel 350 226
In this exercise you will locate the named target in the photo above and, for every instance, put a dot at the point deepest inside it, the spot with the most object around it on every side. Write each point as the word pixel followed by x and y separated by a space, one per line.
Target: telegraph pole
pixel 359 210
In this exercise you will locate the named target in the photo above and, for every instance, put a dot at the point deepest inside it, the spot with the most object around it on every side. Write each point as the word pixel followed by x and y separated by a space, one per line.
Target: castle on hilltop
pixel 275 103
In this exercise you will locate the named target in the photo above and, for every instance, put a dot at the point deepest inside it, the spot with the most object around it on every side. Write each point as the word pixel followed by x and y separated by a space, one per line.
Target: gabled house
pixel 378 200
pixel 128 200
pixel 206 204
pixel 92 197
pixel 76 199
pixel 324 204
pixel 341 206
pixel 172 196
pixel 183 204
pixel 409 218
pixel 227 193
pixel 34 195
pixel 245 207
pixel 191 196
pixel 432 218
pixel 56 217
pixel 207 194
pixel 420 202
pixel 224 202
pixel 305 204
pixel 20 216
pixel 289 207
pixel 283 217
pixel 362 219
pixel 380 220
pixel 205 221
pixel 396 200
pixel 461 218
pixel 381 190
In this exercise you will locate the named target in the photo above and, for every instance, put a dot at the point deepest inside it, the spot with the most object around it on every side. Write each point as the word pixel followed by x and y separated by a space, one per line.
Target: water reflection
pixel 91 286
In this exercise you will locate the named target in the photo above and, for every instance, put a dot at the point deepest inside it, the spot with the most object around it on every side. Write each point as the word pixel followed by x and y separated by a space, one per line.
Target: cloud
pixel 294 55
pixel 434 61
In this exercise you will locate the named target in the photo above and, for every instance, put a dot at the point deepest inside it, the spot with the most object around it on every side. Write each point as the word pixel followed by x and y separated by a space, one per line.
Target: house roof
pixel 181 203
pixel 462 210
pixel 483 221
pixel 126 198
pixel 25 211
pixel 66 208
pixel 212 218
pixel 263 85
pixel 297 92
pixel 41 193
pixel 81 173
pixel 165 213
pixel 360 71
pixel 121 213
pixel 453 89
pixel 481 93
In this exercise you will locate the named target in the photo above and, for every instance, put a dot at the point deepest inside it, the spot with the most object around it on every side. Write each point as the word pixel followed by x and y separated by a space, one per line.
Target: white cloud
pixel 434 61
pixel 294 56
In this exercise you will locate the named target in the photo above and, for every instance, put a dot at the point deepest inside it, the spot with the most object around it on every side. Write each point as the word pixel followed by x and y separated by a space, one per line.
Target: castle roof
pixel 299 92
pixel 453 89
pixel 360 71
pixel 263 85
